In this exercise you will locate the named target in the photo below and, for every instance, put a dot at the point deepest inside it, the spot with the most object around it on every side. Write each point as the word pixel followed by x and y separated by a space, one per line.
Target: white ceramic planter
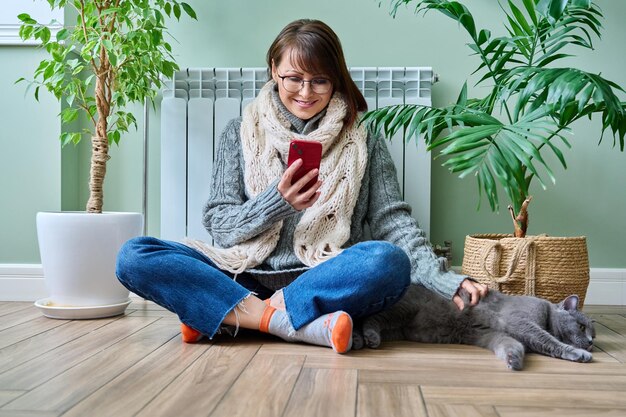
pixel 78 252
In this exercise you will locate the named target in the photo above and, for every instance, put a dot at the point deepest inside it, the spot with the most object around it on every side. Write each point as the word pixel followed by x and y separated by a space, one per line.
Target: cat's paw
pixel 578 355
pixel 372 338
pixel 515 359
pixel 357 340
pixel 511 352
pixel 582 355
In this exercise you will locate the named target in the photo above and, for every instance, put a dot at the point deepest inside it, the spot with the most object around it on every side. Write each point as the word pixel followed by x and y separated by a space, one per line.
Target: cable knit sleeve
pixel 390 219
pixel 229 216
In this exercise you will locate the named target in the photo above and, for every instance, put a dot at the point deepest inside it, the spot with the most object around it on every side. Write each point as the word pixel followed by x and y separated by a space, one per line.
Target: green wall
pixel 30 157
pixel 586 200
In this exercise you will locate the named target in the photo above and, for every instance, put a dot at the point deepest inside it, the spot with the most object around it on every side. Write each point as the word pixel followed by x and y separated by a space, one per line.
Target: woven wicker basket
pixel 546 267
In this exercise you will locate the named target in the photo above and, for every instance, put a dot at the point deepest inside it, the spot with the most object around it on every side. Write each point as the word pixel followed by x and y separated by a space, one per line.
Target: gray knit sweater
pixel 232 218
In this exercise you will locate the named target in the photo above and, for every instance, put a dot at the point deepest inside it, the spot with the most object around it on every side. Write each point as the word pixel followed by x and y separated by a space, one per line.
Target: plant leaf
pixel 552 9
pixel 189 10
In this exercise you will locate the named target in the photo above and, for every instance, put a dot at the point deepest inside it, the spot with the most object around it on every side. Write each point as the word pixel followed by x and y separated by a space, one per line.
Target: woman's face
pixel 304 103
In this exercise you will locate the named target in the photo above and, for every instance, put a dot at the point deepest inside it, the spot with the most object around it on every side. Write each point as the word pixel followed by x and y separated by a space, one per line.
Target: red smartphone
pixel 311 154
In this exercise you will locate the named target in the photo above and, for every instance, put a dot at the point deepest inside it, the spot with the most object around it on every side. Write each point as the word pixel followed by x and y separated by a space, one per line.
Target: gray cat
pixel 507 325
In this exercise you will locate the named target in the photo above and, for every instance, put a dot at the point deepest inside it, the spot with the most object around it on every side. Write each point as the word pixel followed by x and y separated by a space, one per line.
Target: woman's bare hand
pixel 293 193
pixel 476 291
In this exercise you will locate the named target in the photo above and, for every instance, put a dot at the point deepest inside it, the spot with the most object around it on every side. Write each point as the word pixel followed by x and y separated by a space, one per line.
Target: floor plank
pixel 18 317
pixel 4 413
pixel 396 400
pixel 323 392
pixel 266 383
pixel 380 360
pixel 610 342
pixel 461 410
pixel 533 363
pixel 390 350
pixel 75 384
pixel 517 397
pixel 31 328
pixel 559 412
pixel 434 376
pixel 614 322
pixel 9 395
pixel 128 393
pixel 7 307
pixel 200 387
pixel 28 349
pixel 39 370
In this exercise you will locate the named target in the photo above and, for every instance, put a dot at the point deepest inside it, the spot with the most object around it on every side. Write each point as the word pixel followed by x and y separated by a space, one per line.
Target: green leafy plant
pixel 501 138
pixel 113 56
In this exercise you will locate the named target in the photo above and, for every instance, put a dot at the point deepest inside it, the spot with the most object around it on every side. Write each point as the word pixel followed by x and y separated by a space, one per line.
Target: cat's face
pixel 571 326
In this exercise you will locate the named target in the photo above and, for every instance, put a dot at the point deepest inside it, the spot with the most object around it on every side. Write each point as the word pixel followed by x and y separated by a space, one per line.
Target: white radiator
pixel 198 102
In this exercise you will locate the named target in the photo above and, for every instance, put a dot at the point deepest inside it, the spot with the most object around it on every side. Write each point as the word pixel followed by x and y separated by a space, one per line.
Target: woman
pixel 293 261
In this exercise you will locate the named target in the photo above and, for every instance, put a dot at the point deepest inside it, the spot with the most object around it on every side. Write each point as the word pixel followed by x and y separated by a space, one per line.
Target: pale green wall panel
pixel 70 166
pixel 30 159
pixel 123 185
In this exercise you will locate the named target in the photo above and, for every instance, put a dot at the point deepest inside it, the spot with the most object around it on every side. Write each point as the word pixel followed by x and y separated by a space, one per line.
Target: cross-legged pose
pixel 290 258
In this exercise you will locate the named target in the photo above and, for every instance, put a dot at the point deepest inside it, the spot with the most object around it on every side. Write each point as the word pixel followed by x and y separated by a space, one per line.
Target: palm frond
pixel 482 136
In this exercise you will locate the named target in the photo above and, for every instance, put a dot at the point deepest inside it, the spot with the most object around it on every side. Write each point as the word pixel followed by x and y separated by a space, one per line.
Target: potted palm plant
pixel 502 138
pixel 113 56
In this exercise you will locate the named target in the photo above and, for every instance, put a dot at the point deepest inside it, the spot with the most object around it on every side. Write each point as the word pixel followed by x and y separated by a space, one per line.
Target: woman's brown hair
pixel 316 48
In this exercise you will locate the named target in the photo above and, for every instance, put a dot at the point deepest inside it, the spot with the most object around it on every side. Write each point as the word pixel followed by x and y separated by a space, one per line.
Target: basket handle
pixel 523 247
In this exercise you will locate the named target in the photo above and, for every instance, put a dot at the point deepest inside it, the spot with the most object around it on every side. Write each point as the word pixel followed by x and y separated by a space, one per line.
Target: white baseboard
pixel 24 282
pixel 607 286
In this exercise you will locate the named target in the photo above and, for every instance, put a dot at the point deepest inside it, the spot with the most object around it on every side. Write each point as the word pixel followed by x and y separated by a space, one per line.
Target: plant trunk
pixel 99 150
pixel 99 157
pixel 520 222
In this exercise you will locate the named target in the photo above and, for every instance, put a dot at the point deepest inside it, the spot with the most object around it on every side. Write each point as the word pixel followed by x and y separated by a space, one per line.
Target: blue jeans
pixel 364 279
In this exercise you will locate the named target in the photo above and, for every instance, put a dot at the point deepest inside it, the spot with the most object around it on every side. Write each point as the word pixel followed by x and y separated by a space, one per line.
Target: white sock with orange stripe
pixel 333 330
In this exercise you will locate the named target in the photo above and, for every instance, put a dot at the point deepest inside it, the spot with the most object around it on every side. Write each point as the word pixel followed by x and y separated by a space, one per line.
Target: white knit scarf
pixel 325 226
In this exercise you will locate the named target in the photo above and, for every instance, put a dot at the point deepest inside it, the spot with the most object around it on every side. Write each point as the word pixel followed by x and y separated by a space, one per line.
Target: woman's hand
pixel 292 192
pixel 475 290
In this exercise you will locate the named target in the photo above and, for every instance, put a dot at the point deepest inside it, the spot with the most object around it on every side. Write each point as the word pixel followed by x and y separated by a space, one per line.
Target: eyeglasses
pixel 295 84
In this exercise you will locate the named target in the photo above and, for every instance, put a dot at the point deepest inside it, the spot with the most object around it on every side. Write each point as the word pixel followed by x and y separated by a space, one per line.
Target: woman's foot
pixel 333 330
pixel 189 334
pixel 277 300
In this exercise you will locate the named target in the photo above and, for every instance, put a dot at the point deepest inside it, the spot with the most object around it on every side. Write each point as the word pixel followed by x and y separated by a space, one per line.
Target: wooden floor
pixel 136 365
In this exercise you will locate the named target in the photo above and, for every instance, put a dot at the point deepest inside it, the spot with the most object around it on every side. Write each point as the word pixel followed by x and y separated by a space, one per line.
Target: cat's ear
pixel 570 303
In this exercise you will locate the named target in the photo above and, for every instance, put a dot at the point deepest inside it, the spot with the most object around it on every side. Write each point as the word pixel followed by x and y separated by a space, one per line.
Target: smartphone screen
pixel 311 154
